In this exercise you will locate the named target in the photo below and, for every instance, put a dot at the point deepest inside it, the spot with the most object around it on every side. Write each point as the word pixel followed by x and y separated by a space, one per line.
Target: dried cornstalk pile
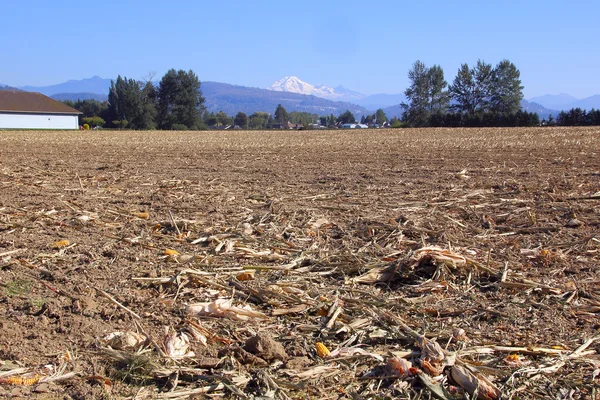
pixel 316 265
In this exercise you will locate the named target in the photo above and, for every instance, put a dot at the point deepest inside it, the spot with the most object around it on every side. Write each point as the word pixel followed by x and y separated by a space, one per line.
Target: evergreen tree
pixel 129 106
pixel 241 120
pixel 209 118
pixel 380 117
pixel 223 119
pixel 331 121
pixel 346 118
pixel 281 115
pixel 180 100
pixel 149 103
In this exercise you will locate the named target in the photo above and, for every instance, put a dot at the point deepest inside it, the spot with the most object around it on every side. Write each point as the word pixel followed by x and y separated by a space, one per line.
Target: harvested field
pixel 341 264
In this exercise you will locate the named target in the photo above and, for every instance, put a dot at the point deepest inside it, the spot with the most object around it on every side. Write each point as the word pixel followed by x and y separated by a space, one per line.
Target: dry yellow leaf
pixel 322 350
pixel 142 215
pixel 60 244
pixel 171 252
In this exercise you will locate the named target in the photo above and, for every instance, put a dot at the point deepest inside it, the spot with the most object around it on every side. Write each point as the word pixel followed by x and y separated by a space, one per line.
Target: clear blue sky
pixel 367 46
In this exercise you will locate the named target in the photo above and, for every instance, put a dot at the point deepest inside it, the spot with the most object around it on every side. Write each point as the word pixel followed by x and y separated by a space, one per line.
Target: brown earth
pixel 308 212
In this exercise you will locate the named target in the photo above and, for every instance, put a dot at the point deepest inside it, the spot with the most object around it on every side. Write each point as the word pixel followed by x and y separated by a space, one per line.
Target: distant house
pixel 28 110
pixel 354 126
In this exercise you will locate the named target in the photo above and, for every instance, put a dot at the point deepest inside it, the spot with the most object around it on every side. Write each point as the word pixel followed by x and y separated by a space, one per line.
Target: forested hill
pixel 232 99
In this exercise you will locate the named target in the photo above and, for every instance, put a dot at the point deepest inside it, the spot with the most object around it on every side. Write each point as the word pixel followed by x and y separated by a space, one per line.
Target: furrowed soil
pixel 375 243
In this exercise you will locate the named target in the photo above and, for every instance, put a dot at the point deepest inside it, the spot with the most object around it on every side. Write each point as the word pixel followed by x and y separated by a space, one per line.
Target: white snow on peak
pixel 293 84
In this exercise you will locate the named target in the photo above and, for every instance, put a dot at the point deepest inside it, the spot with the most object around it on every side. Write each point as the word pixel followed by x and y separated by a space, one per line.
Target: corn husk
pixel 225 309
pixel 473 383
pixel 177 345
pixel 124 340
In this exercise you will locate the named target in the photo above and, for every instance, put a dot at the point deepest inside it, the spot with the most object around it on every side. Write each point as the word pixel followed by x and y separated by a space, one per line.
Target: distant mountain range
pixel 79 96
pixel 295 95
pixel 6 87
pixel 232 99
pixel 565 102
pixel 94 84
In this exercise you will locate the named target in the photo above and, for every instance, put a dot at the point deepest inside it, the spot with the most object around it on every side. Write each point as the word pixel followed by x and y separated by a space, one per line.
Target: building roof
pixel 30 102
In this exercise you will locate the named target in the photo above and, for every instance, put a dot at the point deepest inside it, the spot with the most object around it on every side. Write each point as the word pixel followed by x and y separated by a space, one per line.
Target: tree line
pixel 575 117
pixel 482 95
pixel 176 103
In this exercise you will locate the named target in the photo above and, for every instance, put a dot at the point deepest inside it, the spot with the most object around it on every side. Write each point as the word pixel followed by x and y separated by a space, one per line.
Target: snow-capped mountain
pixel 293 84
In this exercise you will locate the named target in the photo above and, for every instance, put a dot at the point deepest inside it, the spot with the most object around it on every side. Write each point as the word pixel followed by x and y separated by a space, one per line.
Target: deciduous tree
pixel 507 91
pixel 427 95
pixel 462 91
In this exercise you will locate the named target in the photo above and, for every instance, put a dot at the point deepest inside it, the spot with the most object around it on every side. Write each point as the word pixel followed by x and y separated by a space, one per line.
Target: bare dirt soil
pixel 446 263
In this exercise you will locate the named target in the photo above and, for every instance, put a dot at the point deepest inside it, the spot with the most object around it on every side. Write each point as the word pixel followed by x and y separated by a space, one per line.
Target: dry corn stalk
pixel 60 244
pixel 440 255
pixel 24 380
pixel 141 215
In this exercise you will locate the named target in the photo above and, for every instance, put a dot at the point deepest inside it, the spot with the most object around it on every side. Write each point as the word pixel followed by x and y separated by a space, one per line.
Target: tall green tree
pixel 438 94
pixel 487 92
pixel 346 118
pixel 417 108
pixel 128 105
pixel 331 121
pixel 507 91
pixel 281 115
pixel 210 118
pixel 303 118
pixel 241 120
pixel 472 89
pixel 180 100
pixel 223 119
pixel 380 117
pixel 259 120
pixel 149 105
pixel 462 91
pixel 484 86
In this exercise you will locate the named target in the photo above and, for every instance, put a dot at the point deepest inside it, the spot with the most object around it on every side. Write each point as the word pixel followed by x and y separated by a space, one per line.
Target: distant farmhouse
pixel 27 110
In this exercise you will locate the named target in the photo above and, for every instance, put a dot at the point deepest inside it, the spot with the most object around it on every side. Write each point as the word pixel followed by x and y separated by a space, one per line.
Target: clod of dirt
pixel 298 363
pixel 243 356
pixel 266 347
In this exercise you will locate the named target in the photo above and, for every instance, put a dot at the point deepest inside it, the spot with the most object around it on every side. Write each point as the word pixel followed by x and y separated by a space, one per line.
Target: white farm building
pixel 27 110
